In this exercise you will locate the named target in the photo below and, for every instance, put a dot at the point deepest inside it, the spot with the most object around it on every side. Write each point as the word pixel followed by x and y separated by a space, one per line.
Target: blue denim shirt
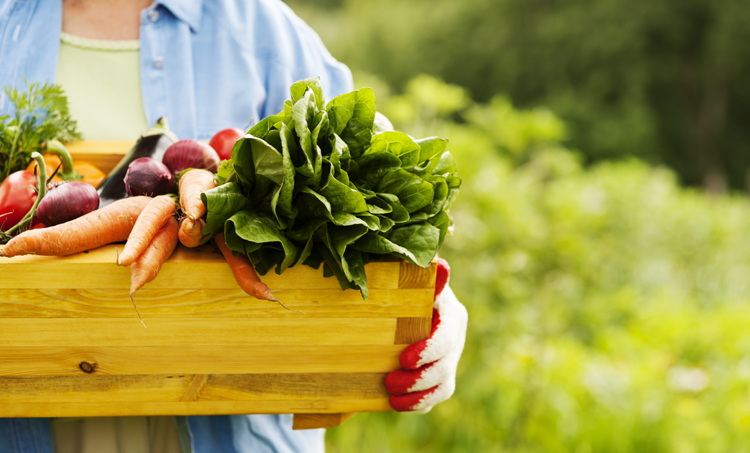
pixel 205 65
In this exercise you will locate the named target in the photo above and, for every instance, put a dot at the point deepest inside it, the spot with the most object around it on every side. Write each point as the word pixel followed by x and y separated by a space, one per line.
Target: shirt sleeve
pixel 301 55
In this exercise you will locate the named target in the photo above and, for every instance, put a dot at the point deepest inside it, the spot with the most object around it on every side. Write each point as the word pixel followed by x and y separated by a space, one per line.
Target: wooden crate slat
pixel 185 269
pixel 234 303
pixel 315 421
pixel 215 387
pixel 413 276
pixel 105 155
pixel 135 408
pixel 190 332
pixel 141 360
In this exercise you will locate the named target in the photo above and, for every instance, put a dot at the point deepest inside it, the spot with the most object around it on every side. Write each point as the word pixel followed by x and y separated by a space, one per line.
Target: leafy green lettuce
pixel 322 184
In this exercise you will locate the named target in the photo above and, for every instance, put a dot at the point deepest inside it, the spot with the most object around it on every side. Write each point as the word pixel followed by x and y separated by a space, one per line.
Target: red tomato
pixel 17 196
pixel 224 140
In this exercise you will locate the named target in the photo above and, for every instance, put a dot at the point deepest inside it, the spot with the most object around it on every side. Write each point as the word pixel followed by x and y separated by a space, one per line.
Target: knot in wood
pixel 86 367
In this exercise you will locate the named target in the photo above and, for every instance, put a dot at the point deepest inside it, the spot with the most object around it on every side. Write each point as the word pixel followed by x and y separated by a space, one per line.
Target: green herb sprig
pixel 41 114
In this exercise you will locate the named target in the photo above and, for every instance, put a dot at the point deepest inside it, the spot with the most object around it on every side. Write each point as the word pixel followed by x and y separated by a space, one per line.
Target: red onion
pixel 66 201
pixel 190 154
pixel 147 176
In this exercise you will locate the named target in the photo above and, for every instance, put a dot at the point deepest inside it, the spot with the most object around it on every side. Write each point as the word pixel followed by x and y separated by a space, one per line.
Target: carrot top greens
pixel 326 184
pixel 41 113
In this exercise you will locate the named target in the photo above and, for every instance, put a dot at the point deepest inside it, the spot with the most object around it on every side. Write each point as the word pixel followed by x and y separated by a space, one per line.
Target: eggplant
pixel 152 144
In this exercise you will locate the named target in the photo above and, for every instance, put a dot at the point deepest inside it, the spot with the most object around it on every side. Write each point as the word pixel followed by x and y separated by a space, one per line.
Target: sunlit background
pixel 601 242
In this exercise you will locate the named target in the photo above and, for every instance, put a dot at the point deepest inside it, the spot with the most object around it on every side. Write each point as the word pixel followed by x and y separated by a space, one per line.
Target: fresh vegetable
pixel 152 144
pixel 56 155
pixel 41 114
pixel 190 232
pixel 148 176
pixel 190 154
pixel 244 273
pixel 154 216
pixel 112 223
pixel 17 196
pixel 224 140
pixel 146 267
pixel 324 183
pixel 65 201
pixel 30 214
pixel 192 184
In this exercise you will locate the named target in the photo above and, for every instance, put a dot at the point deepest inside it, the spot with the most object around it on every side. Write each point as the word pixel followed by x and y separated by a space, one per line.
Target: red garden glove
pixel 429 366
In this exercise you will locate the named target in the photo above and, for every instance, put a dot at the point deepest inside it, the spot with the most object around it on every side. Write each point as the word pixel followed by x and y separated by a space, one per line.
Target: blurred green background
pixel 600 232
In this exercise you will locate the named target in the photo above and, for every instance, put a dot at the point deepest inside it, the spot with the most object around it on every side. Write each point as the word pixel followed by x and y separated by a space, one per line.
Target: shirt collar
pixel 188 11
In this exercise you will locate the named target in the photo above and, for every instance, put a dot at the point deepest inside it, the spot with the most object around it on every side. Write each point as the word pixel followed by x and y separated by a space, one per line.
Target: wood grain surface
pixel 66 360
pixel 71 344
pixel 314 421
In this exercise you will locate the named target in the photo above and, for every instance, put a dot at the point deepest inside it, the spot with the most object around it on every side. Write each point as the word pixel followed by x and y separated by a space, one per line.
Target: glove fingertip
pixel 411 356
pixel 410 402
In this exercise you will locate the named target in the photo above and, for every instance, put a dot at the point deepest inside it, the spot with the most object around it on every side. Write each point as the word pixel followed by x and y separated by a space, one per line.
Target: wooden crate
pixel 71 344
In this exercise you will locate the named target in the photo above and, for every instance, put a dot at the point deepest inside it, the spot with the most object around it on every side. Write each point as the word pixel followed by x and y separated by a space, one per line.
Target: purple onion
pixel 190 154
pixel 66 201
pixel 147 176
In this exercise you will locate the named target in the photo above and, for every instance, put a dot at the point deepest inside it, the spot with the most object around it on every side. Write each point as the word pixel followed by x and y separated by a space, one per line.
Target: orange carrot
pixel 190 232
pixel 112 223
pixel 154 216
pixel 192 184
pixel 244 273
pixel 148 264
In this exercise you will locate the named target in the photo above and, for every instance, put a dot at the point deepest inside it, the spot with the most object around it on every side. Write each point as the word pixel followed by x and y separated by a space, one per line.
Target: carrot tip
pixel 132 299
pixel 285 307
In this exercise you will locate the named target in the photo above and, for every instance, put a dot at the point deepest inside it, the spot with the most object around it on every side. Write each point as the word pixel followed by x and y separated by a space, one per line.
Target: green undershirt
pixel 103 84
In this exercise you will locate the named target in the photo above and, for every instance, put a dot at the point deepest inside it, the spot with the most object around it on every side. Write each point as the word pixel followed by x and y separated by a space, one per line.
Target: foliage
pixel 664 81
pixel 319 183
pixel 41 113
pixel 607 306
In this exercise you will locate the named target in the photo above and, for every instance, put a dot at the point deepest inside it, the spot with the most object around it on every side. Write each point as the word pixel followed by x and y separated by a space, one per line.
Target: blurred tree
pixel 663 80
pixel 607 305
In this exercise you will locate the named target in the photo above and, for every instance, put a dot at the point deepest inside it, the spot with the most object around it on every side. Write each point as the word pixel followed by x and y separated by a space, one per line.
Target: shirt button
pixel 158 62
pixel 153 15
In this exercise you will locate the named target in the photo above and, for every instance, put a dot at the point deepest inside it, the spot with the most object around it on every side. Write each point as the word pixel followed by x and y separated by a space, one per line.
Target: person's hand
pixel 429 366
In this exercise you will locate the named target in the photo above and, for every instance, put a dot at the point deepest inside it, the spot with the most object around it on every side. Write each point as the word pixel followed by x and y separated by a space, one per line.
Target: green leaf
pixel 398 213
pixel 225 171
pixel 303 112
pixel 413 192
pixel 385 223
pixel 299 88
pixel 375 243
pixel 420 239
pixel 430 147
pixel 268 124
pixel 442 222
pixel 221 203
pixel 242 160
pixel 281 203
pixel 354 267
pixel 397 144
pixel 342 197
pixel 372 167
pixel 446 165
pixel 254 228
pixel 352 116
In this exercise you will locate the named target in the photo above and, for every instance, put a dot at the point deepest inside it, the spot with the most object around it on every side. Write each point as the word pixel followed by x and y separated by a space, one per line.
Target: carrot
pixel 112 223
pixel 244 273
pixel 154 216
pixel 190 232
pixel 148 264
pixel 192 184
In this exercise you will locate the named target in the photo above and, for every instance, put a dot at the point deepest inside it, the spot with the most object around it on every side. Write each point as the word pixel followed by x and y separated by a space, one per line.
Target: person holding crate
pixel 205 65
